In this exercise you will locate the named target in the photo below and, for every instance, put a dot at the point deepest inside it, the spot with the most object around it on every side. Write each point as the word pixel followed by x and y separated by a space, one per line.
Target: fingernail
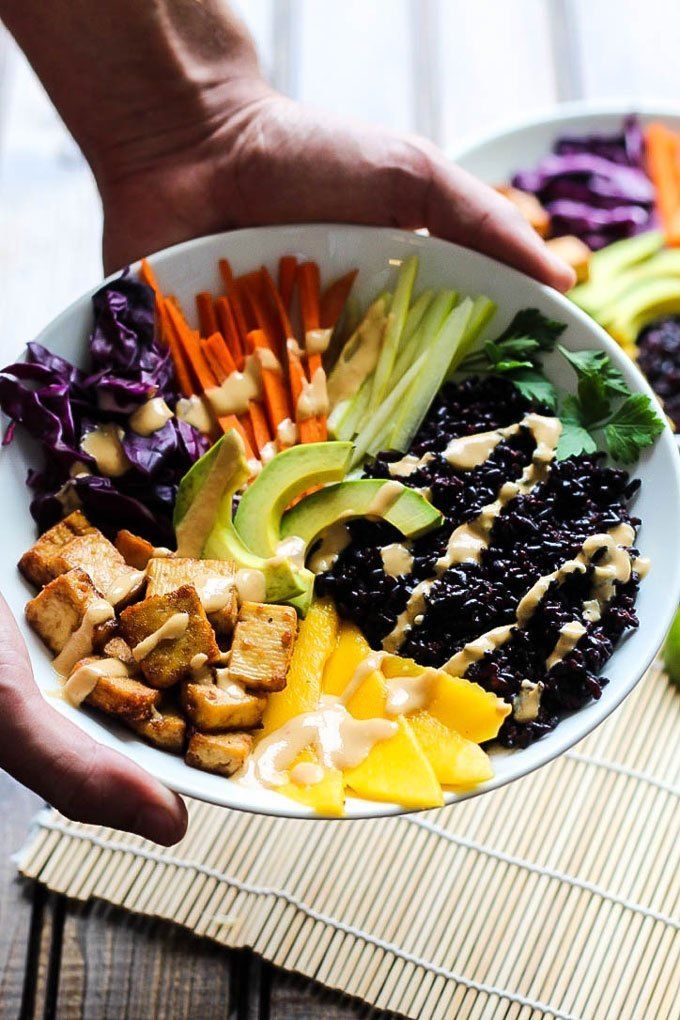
pixel 159 823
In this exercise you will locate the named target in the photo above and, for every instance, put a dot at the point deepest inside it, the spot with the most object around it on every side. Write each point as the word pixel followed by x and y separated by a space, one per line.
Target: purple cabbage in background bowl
pixel 58 404
pixel 594 186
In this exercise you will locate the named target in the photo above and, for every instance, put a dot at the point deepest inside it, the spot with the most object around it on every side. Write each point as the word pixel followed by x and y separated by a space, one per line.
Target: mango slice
pixel 456 761
pixel 396 769
pixel 317 637
pixel 351 649
pixel 467 708
pixel 326 797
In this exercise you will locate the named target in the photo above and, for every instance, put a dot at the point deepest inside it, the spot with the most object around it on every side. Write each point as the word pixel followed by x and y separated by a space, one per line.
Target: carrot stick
pixel 275 395
pixel 287 271
pixel 278 304
pixel 662 155
pixel 334 298
pixel 258 422
pixel 221 354
pixel 149 277
pixel 309 287
pixel 206 313
pixel 179 360
pixel 213 360
pixel 230 330
pixel 309 429
pixel 265 317
pixel 226 274
pixel 189 344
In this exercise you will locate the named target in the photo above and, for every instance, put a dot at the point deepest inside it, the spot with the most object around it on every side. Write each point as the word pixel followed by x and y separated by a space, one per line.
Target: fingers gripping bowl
pixel 379 255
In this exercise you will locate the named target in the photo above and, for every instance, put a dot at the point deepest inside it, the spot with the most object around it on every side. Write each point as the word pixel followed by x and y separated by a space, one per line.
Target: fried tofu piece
pixel 166 729
pixel 574 252
pixel 116 648
pixel 99 558
pixel 223 753
pixel 529 206
pixel 214 581
pixel 262 646
pixel 59 609
pixel 122 696
pixel 135 551
pixel 170 660
pixel 35 564
pixel 211 708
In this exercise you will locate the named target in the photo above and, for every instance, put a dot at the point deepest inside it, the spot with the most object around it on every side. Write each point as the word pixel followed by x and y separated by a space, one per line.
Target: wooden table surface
pixel 453 68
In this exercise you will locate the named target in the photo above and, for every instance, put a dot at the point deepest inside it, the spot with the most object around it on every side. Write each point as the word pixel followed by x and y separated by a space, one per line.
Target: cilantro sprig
pixel 602 413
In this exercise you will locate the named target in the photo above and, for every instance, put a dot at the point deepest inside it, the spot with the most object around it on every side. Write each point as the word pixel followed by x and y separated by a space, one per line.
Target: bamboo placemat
pixel 557 896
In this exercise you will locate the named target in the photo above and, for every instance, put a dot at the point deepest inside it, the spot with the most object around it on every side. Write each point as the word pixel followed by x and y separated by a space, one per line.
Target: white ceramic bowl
pixel 190 267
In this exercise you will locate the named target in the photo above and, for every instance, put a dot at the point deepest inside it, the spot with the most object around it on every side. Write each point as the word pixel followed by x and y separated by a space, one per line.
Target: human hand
pixel 83 779
pixel 275 161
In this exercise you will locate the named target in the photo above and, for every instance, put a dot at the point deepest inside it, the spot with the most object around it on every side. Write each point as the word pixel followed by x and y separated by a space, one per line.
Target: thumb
pixel 81 778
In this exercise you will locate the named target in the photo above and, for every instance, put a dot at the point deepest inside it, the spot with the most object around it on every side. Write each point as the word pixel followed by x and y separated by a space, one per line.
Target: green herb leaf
pixel 533 325
pixel 534 386
pixel 634 426
pixel 575 438
pixel 598 383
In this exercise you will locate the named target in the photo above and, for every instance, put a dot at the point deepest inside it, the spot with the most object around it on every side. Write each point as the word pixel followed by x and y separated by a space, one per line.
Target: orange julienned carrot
pixel 229 330
pixel 179 360
pixel 262 315
pixel 206 313
pixel 334 298
pixel 226 274
pixel 220 354
pixel 259 425
pixel 287 271
pixel 663 147
pixel 310 430
pixel 309 291
pixel 278 304
pixel 275 395
pixel 149 277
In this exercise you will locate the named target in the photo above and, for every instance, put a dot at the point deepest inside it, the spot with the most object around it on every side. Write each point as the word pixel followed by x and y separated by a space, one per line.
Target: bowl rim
pixel 560 739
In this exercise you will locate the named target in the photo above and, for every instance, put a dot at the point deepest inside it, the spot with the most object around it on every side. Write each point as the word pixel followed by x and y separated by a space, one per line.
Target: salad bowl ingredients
pixel 355 614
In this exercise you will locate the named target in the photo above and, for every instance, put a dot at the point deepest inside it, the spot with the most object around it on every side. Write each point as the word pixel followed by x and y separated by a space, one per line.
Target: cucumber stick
pixel 373 430
pixel 483 309
pixel 426 385
pixel 429 327
pixel 395 328
pixel 415 314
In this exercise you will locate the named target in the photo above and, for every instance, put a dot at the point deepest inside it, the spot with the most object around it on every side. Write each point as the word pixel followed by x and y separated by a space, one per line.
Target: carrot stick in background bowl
pixel 334 299
pixel 663 158
pixel 287 272
pixel 205 308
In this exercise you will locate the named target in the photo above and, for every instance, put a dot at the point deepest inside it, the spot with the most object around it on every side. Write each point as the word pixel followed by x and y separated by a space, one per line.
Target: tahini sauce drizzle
pixel 150 417
pixel 104 445
pixel 172 629
pixel 238 389
pixel 83 680
pixel 193 411
pixel 570 635
pixel 313 399
pixel 79 644
pixel 407 694
pixel 334 540
pixel 384 499
pixel 397 560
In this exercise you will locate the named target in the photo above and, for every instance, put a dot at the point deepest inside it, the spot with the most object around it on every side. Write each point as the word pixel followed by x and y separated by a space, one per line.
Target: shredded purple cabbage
pixel 594 186
pixel 58 404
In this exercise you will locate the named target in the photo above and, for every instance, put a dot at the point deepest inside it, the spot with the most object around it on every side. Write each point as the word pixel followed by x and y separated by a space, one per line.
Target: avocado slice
pixel 285 477
pixel 410 513
pixel 607 265
pixel 608 294
pixel 203 518
pixel 649 301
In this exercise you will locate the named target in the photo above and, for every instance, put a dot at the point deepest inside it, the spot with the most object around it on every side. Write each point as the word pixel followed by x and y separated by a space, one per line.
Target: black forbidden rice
pixel 659 358
pixel 532 536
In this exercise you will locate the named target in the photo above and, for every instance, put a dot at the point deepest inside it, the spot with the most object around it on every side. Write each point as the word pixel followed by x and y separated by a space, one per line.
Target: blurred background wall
pixel 445 68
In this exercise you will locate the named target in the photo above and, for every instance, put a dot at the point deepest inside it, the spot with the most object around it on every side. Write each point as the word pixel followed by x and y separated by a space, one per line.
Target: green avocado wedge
pixel 203 518
pixel 410 513
pixel 282 480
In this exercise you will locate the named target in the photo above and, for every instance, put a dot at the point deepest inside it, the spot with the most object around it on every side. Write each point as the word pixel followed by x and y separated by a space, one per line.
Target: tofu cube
pixel 170 660
pixel 575 253
pixel 35 564
pixel 262 646
pixel 116 648
pixel 99 558
pixel 214 581
pixel 59 609
pixel 166 729
pixel 122 696
pixel 223 753
pixel 211 708
pixel 135 551
pixel 529 206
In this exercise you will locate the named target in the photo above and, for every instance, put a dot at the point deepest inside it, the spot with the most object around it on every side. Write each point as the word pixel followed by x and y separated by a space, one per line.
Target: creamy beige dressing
pixel 641 566
pixel 83 680
pixel 161 552
pixel 268 360
pixel 415 607
pixel 286 433
pixel 193 411
pixel 339 741
pixel 591 611
pixel 408 465
pixel 359 356
pixel 334 540
pixel 68 497
pixel 198 661
pixel 306 773
pixel 313 399
pixel 214 591
pixel 251 585
pixel 570 635
pixel 317 340
pixel 409 693
pixel 79 644
pixel 79 470
pixel 174 627
pixel 526 704
pixel 473 651
pixel 292 548
pixel 468 452
pixel 238 389
pixel 150 417
pixel 104 445
pixel 371 664
pixel 396 559
pixel 234 691
pixel 268 451
pixel 126 582
pixel 384 499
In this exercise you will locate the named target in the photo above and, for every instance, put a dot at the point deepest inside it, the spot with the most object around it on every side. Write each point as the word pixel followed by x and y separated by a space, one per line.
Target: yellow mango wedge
pixel 396 769
pixel 325 798
pixel 351 649
pixel 467 708
pixel 456 761
pixel 317 637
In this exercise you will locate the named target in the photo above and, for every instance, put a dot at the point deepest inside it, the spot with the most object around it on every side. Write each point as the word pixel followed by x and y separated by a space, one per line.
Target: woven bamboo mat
pixel 558 896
